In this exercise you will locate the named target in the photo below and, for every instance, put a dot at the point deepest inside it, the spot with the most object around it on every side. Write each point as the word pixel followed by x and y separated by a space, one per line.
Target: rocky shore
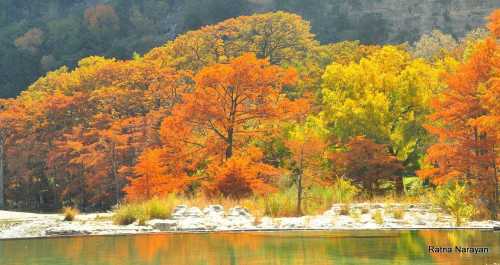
pixel 215 218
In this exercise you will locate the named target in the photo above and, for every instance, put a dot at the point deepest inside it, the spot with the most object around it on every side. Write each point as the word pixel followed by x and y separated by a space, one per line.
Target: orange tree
pixel 466 122
pixel 230 105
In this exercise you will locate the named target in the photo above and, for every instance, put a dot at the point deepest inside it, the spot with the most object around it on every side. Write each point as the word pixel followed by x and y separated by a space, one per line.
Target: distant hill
pixel 39 36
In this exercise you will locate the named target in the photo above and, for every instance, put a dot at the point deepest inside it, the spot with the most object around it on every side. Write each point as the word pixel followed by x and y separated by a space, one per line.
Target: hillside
pixel 38 36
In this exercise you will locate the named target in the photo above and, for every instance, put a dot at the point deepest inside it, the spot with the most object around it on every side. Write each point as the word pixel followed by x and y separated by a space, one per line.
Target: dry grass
pixel 156 208
pixel 70 213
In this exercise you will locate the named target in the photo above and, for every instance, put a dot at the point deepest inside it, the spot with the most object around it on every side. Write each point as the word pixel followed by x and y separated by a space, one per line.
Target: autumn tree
pixel 153 177
pixel 230 101
pixel 367 163
pixel 102 18
pixel 31 40
pixel 466 123
pixel 11 117
pixel 385 97
pixel 308 146
pixel 279 37
pixel 435 46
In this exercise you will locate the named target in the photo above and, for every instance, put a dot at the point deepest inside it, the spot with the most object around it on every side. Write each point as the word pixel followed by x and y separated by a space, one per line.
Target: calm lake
pixel 344 247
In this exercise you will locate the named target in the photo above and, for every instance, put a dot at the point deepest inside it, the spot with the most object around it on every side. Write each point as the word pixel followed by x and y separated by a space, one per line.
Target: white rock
pixel 163 225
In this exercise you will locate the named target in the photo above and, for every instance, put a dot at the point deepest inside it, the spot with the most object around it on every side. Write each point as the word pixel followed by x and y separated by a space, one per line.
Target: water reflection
pixel 347 247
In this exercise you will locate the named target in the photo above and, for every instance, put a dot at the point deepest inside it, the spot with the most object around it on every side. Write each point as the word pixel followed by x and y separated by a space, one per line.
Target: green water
pixel 346 247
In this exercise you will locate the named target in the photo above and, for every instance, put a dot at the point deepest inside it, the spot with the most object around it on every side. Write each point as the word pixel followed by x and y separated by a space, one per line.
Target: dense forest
pixel 254 106
pixel 40 36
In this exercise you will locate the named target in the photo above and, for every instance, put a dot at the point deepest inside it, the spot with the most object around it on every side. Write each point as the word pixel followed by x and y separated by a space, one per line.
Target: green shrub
pixel 453 198
pixel 344 191
pixel 378 217
pixel 413 186
pixel 70 213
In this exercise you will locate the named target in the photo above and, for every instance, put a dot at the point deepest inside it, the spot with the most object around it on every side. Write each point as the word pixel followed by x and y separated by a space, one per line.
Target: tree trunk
pixel 115 174
pixel 299 183
pixel 299 194
pixel 494 210
pixel 229 149
pixel 399 185
pixel 2 175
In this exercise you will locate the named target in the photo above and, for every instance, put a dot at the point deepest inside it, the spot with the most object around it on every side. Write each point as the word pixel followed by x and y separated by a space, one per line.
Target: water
pixel 344 247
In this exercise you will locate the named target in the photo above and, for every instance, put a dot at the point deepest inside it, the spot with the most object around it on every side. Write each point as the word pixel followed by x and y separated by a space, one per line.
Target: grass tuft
pixel 378 217
pixel 70 213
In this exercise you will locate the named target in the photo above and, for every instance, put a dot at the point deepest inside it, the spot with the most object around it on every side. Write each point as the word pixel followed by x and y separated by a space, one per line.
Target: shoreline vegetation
pixel 216 218
pixel 232 127
pixel 275 212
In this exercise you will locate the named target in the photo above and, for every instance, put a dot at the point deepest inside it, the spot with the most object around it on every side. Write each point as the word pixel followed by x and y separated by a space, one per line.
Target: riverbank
pixel 358 216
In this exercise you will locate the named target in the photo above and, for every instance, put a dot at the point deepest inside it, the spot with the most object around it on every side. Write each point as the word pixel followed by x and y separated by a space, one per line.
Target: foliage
pixel 252 110
pixel 366 164
pixel 307 147
pixel 290 40
pixel 454 199
pixel 414 187
pixel 344 190
pixel 385 97
pixel 242 175
pixel 466 125
pixel 435 46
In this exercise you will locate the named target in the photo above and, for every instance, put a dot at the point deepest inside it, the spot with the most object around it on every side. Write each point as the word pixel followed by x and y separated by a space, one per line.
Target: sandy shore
pixel 215 218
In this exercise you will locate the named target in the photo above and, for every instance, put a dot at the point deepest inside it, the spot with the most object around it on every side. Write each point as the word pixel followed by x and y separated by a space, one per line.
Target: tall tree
pixel 385 97
pixel 308 147
pixel 231 101
pixel 10 118
pixel 466 123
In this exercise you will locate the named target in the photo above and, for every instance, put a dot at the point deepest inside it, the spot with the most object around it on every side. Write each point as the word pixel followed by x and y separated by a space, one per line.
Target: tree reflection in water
pixel 342 247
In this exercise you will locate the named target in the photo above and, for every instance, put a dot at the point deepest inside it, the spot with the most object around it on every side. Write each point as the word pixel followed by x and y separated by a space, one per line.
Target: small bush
pixel 398 213
pixel 70 213
pixel 364 210
pixel 160 208
pixel 344 191
pixel 127 214
pixel 453 198
pixel 378 217
pixel 156 208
